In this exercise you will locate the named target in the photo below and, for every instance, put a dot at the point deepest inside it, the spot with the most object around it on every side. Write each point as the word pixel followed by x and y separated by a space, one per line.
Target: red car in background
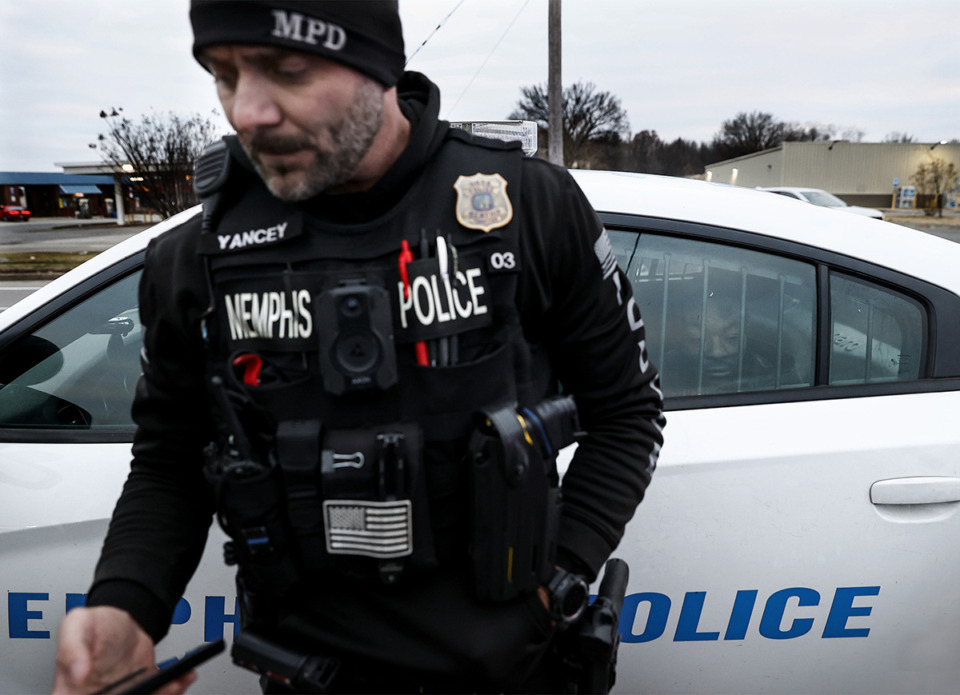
pixel 14 213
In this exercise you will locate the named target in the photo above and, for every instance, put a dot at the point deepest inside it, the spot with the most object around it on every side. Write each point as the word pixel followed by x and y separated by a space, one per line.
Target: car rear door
pixel 798 534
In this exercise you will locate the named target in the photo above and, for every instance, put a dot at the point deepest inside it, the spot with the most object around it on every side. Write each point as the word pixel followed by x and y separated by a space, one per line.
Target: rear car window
pixel 877 333
pixel 721 319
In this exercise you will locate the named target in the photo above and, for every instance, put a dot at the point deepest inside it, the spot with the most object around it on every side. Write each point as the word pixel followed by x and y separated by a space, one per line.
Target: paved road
pixel 949 231
pixel 12 291
pixel 53 234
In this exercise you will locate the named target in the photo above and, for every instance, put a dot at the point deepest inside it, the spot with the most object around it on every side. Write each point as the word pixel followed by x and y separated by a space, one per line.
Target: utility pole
pixel 554 85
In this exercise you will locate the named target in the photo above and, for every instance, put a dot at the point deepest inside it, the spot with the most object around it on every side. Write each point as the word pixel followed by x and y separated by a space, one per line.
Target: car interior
pixel 78 370
pixel 721 319
pixel 718 319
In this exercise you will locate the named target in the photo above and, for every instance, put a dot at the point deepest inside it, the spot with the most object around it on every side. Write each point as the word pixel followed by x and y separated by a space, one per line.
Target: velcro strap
pixel 298 446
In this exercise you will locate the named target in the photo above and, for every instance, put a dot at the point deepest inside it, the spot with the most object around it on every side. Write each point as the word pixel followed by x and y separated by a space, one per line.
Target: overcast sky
pixel 679 67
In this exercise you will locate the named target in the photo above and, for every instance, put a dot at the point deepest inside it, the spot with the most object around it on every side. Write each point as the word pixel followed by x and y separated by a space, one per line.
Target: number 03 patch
pixel 482 201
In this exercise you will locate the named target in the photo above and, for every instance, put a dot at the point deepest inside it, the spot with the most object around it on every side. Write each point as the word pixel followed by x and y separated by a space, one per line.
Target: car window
pixel 78 371
pixel 721 319
pixel 877 333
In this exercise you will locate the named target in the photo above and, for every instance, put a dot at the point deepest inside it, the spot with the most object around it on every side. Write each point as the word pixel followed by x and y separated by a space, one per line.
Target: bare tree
pixel 590 117
pixel 897 136
pixel 853 134
pixel 934 178
pixel 646 153
pixel 810 132
pixel 159 153
pixel 747 133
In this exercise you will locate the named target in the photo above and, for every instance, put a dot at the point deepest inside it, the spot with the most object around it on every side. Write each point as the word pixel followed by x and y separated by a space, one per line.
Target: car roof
pixel 886 244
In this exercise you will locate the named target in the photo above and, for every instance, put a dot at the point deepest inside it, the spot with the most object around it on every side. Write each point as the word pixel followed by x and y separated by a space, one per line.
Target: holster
pixel 588 649
pixel 515 498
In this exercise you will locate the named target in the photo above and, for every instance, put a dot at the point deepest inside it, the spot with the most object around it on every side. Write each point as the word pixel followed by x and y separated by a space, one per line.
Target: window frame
pixel 940 365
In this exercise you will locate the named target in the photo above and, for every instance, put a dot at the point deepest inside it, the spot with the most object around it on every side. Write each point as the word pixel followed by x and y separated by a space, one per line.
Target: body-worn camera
pixel 356 346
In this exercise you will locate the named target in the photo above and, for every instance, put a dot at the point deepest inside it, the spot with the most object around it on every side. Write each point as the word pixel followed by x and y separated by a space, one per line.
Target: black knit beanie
pixel 365 35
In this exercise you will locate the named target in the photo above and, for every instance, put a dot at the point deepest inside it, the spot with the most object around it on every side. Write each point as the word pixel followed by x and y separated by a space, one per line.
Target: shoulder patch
pixel 482 201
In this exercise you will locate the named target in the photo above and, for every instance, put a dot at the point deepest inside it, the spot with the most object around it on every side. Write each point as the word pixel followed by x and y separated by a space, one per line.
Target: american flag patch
pixel 373 529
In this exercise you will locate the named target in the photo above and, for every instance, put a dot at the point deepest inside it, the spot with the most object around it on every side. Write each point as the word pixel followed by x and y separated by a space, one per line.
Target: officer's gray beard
pixel 351 139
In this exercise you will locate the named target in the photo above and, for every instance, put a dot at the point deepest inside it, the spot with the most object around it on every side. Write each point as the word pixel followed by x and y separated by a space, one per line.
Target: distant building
pixel 124 180
pixel 861 173
pixel 58 195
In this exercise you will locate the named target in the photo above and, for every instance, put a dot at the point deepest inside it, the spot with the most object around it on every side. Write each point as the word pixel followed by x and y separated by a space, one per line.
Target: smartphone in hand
pixel 170 672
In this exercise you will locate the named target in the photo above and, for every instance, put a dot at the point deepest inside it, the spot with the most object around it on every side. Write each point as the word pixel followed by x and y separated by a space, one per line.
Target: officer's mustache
pixel 277 144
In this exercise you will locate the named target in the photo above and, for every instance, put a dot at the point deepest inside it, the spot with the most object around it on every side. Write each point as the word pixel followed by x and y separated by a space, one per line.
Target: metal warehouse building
pixel 862 173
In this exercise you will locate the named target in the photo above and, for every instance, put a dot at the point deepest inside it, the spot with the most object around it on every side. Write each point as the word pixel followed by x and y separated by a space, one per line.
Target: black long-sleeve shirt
pixel 571 299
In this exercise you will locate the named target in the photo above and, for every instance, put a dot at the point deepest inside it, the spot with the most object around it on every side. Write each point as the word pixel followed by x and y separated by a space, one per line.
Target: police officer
pixel 349 360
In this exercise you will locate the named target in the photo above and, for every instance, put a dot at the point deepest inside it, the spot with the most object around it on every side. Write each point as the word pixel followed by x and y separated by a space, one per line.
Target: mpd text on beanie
pixel 365 35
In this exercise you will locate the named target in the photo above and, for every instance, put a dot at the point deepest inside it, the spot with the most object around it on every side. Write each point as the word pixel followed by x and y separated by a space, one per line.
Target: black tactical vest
pixel 358 357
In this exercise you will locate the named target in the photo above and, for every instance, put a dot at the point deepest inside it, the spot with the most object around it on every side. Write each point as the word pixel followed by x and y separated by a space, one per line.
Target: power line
pixel 442 22
pixel 492 50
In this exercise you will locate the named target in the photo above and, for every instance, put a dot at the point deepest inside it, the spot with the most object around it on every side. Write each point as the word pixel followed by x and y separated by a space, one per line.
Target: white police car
pixel 798 535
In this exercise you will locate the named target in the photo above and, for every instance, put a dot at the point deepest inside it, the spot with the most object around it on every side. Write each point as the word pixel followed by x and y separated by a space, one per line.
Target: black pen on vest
pixel 454 339
pixel 444 260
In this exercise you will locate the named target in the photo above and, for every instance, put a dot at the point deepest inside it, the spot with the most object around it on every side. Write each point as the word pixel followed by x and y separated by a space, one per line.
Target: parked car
pixel 14 213
pixel 818 196
pixel 797 537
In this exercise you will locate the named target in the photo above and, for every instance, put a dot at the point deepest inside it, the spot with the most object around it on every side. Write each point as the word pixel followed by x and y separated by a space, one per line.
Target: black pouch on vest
pixel 515 509
pixel 250 509
pixel 375 498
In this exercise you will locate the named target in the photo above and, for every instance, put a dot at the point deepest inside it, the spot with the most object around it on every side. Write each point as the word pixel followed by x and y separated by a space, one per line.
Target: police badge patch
pixel 482 202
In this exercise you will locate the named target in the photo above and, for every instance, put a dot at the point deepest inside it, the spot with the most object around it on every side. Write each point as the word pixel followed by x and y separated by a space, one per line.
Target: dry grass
pixel 40 264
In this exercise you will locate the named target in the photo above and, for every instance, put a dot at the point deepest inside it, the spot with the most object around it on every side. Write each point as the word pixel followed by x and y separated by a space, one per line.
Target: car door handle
pixel 918 490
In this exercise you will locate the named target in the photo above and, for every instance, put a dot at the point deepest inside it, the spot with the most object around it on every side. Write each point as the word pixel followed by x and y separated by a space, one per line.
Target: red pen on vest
pixel 406 255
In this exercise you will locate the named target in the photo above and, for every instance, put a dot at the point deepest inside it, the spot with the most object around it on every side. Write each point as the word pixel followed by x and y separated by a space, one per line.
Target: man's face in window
pixel 718 318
